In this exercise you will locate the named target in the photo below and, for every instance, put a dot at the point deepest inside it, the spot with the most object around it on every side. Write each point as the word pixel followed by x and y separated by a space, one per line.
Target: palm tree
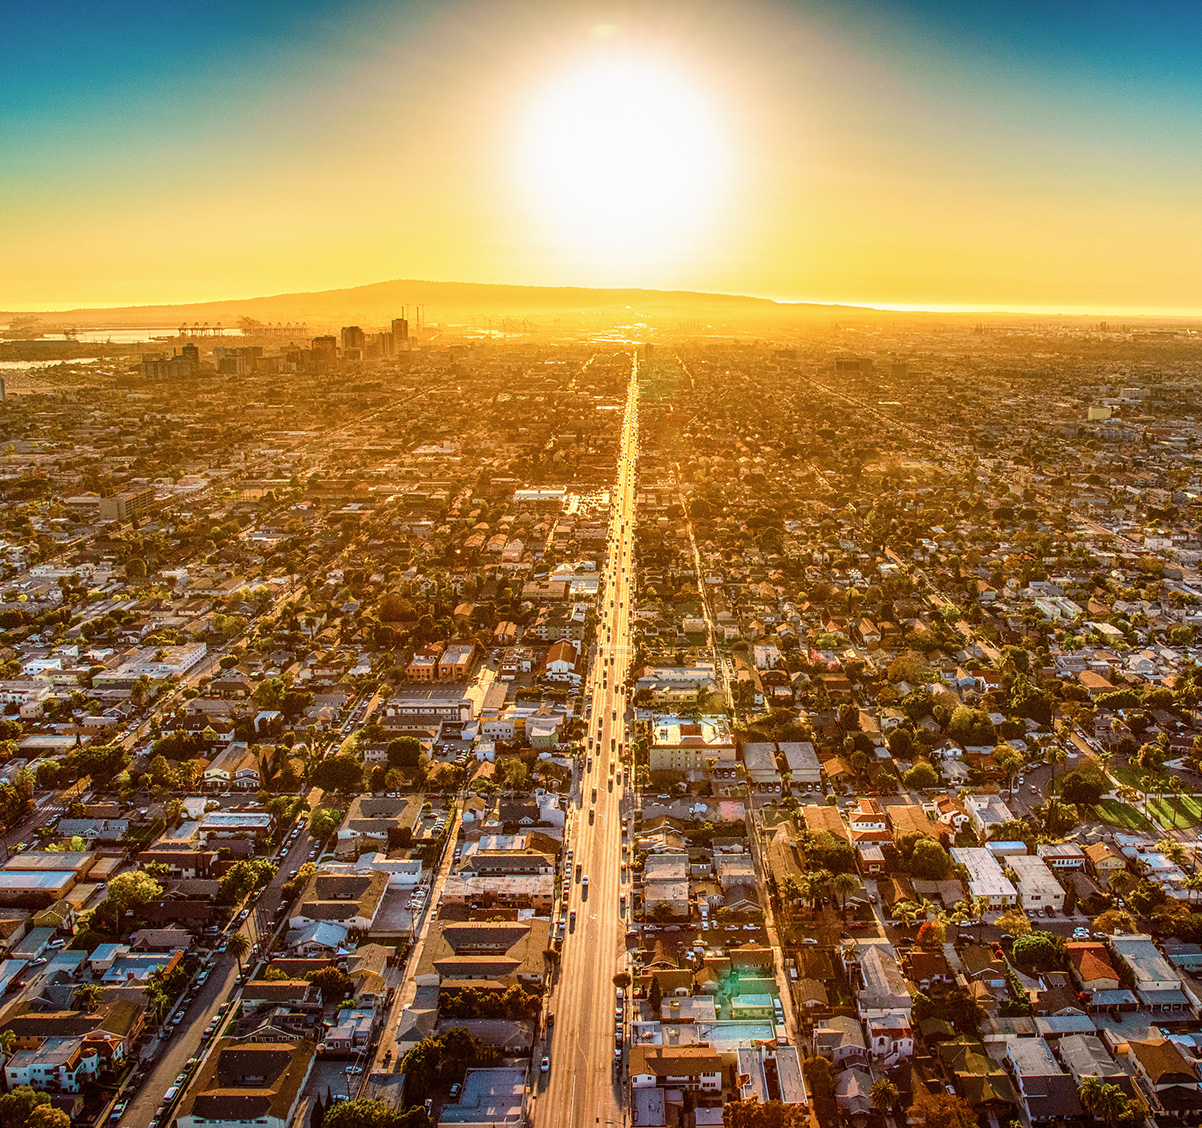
pixel 238 946
pixel 1089 1093
pixel 980 906
pixel 1057 754
pixel 87 996
pixel 1172 849
pixel 842 886
pixel 884 1094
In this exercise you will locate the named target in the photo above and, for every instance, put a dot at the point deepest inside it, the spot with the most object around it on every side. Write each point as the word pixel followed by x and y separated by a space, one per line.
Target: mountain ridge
pixel 380 301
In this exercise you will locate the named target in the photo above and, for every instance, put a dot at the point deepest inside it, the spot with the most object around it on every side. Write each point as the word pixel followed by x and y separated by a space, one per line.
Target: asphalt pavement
pixel 586 1082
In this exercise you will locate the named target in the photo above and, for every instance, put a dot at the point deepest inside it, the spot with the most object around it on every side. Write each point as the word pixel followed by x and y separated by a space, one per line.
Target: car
pixel 546 1065
pixel 1099 936
pixel 353 1070
pixel 456 1089
pixel 809 940
pixel 118 1111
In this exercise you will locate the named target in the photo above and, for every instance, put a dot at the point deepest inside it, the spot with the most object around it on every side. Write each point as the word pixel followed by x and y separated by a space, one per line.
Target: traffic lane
pixel 185 1043
pixel 260 924
pixel 1033 791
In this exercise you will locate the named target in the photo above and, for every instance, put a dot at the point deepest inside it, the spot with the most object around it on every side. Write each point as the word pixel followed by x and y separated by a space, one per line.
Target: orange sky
pixel 860 152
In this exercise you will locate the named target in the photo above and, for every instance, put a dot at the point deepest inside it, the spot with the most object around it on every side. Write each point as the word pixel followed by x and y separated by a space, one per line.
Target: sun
pixel 623 156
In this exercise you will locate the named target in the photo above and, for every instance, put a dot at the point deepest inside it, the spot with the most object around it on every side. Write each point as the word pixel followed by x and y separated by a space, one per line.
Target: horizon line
pixel 984 308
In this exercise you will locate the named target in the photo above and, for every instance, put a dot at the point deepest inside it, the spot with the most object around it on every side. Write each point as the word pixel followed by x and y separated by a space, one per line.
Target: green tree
pixel 332 983
pixel 323 822
pixel 941 1110
pixel 929 861
pixel 160 772
pixel 130 890
pixel 44 1116
pixel 365 1113
pixel 1014 921
pixel 1039 951
pixel 753 1114
pixel 1083 787
pixel 87 996
pixel 921 776
pixel 1009 761
pixel 406 752
pixel 242 877
pixel 343 772
pixel 17 1106
pixel 238 946
pixel 269 693
pixel 819 1078
pixel 884 1094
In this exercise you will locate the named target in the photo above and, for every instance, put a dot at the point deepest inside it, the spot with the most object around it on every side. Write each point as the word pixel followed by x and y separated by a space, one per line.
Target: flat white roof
pixel 985 876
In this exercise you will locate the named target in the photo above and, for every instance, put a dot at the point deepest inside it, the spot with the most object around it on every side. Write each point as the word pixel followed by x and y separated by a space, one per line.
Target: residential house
pixel 1037 885
pixel 488 955
pixel 1167 1078
pixel 351 900
pixel 1047 1092
pixel 235 767
pixel 694 1067
pixel 243 1082
pixel 377 824
pixel 986 878
pixel 1157 983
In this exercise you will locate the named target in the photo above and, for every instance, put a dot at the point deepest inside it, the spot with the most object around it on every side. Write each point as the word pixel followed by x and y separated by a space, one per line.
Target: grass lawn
pixel 1132 776
pixel 1116 813
pixel 1176 811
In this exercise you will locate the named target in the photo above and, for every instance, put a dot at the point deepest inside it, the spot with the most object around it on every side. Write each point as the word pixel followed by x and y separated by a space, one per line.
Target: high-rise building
pixel 382 343
pixel 353 338
pixel 400 331
pixel 325 348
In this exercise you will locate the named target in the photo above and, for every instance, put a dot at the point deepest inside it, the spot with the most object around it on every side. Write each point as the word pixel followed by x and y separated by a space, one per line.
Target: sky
pixel 913 153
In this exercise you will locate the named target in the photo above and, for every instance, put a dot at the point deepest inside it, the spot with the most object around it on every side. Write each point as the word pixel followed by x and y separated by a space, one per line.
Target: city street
pixel 585 1083
pixel 186 1041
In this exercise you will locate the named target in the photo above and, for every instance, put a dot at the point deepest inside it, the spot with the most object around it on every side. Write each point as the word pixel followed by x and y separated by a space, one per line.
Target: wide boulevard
pixel 585 1084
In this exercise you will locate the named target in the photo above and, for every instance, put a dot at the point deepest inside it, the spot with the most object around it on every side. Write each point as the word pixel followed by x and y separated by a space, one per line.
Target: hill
pixel 378 302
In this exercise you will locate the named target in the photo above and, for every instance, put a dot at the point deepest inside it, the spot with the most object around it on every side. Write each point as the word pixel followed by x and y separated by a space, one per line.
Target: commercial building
pixel 128 505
